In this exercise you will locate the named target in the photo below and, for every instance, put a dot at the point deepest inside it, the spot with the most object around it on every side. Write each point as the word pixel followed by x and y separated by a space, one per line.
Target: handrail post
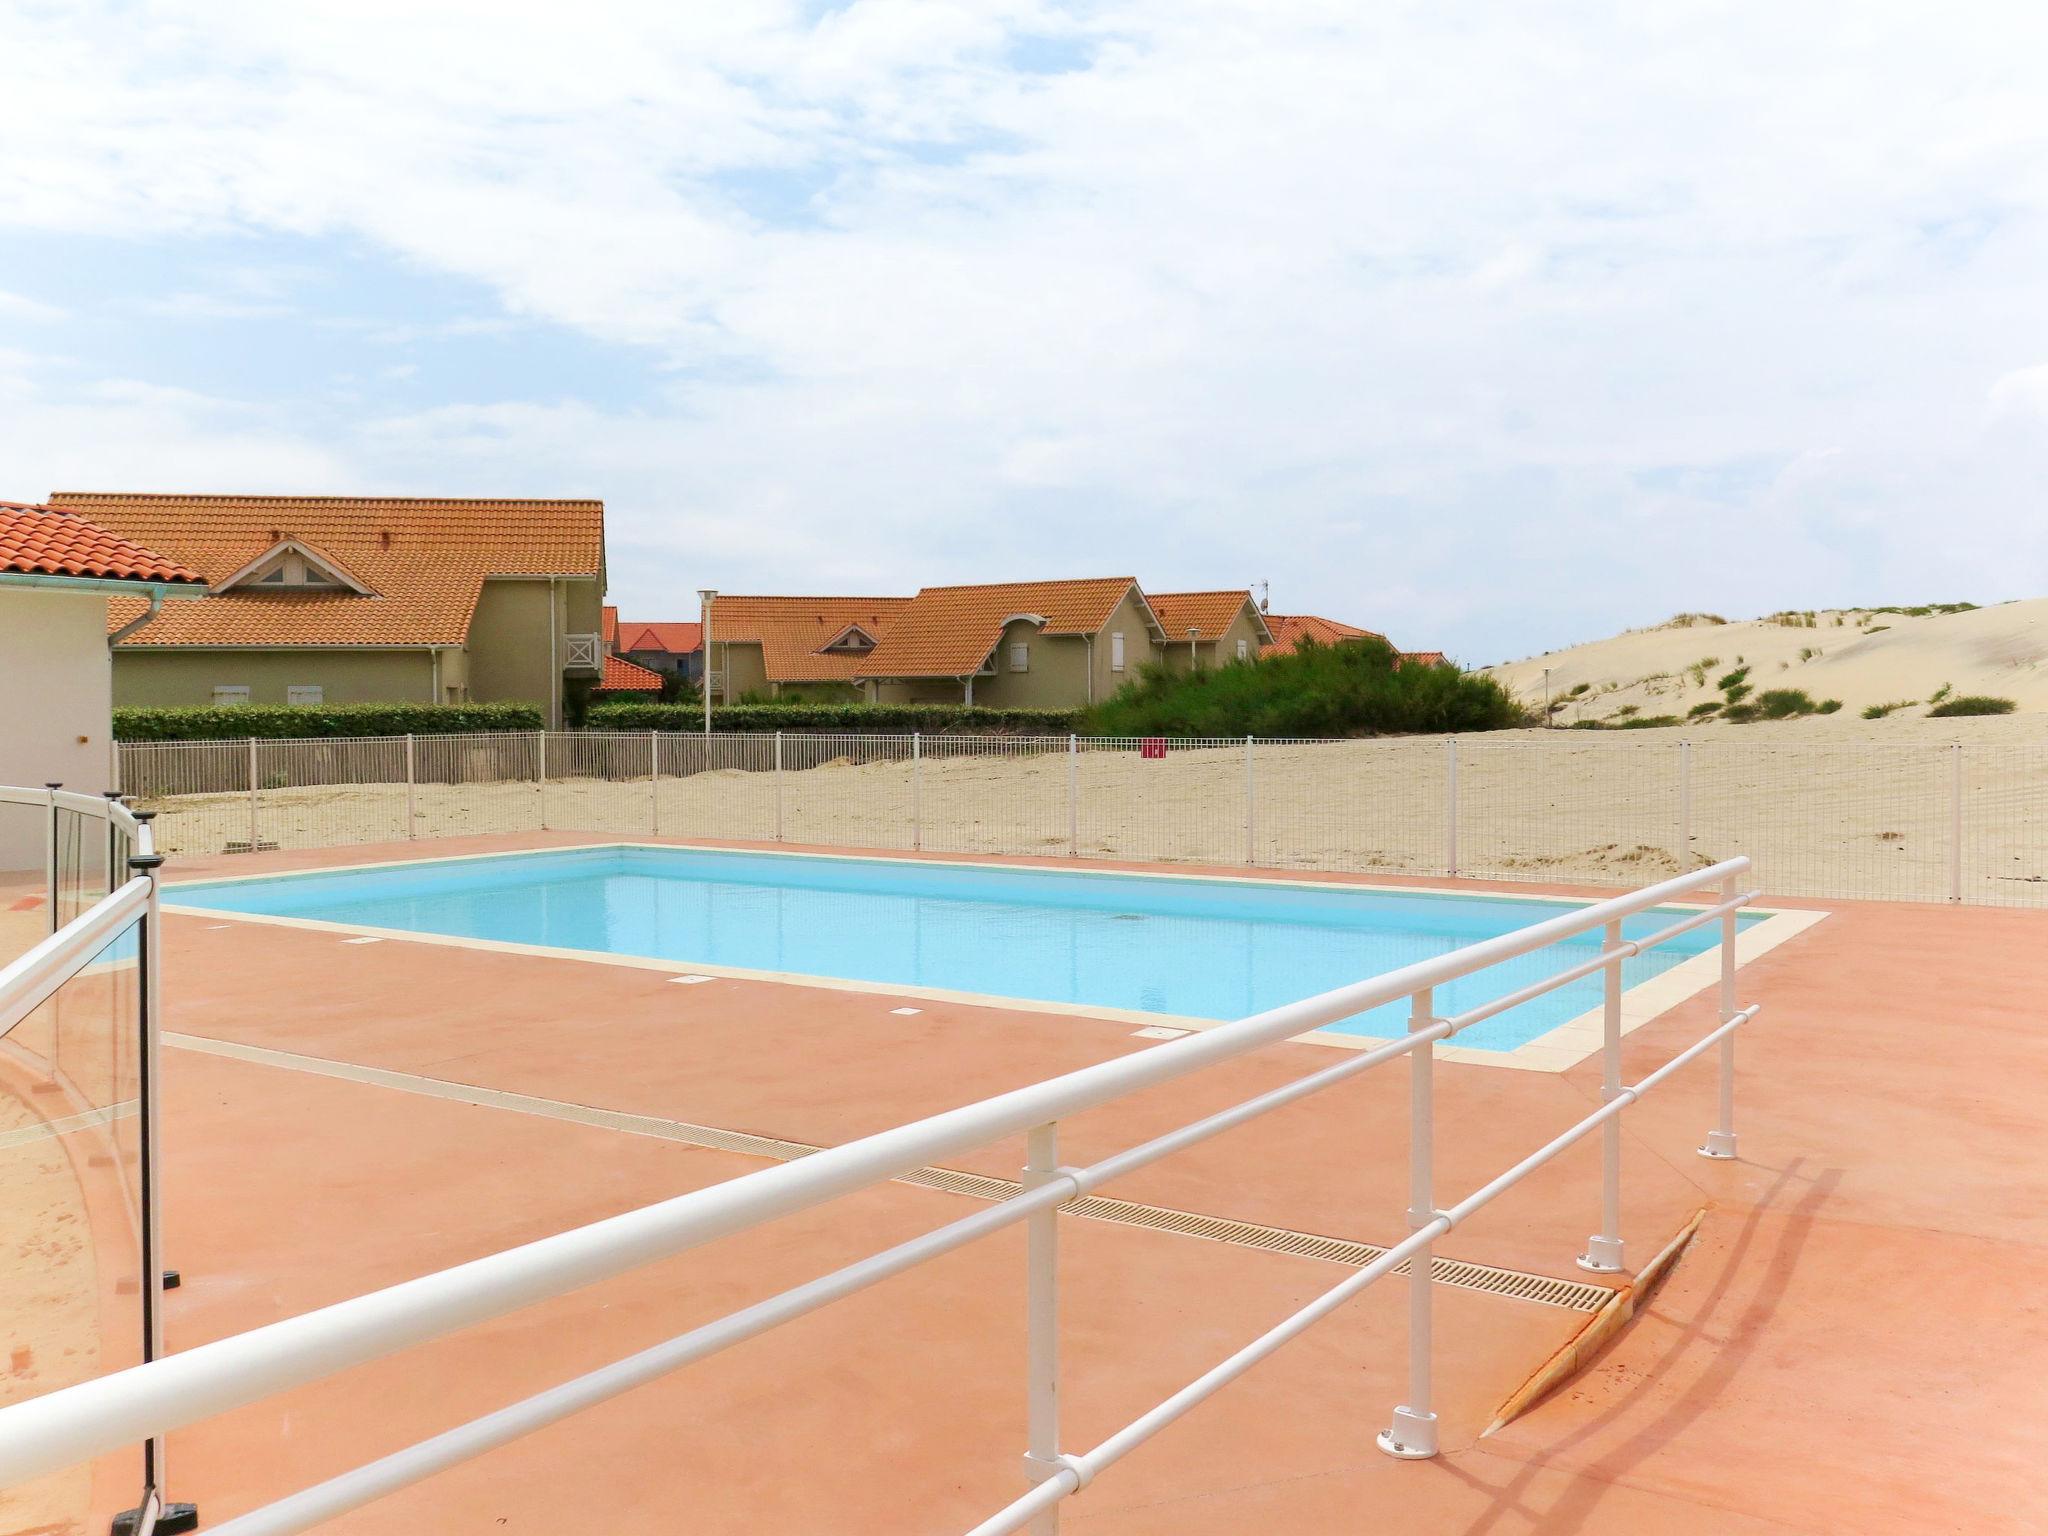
pixel 254 841
pixel 1073 796
pixel 654 782
pixel 778 786
pixel 412 810
pixel 1042 1323
pixel 1412 1435
pixel 1451 806
pixel 113 798
pixel 1603 1255
pixel 52 876
pixel 916 790
pixel 1720 1142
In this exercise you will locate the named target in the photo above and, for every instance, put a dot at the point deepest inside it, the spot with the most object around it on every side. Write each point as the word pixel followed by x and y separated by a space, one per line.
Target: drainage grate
pixel 1573 1295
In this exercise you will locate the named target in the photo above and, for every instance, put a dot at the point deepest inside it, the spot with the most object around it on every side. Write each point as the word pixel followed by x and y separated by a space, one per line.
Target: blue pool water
pixel 1204 948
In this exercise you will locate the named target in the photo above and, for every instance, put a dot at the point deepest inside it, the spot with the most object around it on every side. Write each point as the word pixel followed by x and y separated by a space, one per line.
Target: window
pixel 305 693
pixel 1244 649
pixel 1116 651
pixel 1020 655
pixel 230 693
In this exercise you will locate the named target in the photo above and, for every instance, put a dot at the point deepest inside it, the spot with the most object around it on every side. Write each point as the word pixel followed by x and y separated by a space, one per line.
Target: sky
pixel 1490 326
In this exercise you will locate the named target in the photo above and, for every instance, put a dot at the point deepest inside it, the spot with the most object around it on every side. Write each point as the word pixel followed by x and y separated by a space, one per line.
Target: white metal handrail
pixel 82 1421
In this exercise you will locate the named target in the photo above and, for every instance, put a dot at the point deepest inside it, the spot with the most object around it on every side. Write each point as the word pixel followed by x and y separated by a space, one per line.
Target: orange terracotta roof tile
pixel 424 560
pixel 608 625
pixel 792 631
pixel 57 541
pixel 677 639
pixel 1289 630
pixel 623 676
pixel 1209 612
pixel 949 631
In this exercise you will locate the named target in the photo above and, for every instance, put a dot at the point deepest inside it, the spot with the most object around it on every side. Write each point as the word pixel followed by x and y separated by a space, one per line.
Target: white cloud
pixel 14 306
pixel 1489 328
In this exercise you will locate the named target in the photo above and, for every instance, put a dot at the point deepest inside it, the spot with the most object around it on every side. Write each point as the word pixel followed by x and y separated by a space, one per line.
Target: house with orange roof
pixel 59 575
pixel 1290 629
pixel 759 646
pixel 1211 629
pixel 1021 644
pixel 672 649
pixel 362 599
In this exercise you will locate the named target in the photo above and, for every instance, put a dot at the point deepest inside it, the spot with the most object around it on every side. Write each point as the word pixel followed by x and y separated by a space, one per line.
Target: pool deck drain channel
pixel 1572 1295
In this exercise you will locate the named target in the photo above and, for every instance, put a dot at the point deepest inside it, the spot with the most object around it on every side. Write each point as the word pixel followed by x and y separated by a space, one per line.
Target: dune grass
pixel 1972 704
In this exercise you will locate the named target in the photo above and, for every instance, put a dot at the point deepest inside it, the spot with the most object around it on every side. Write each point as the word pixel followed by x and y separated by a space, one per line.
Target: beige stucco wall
pixel 187 675
pixel 1057 677
pixel 1129 617
pixel 55 706
pixel 508 641
pixel 741 662
pixel 1218 653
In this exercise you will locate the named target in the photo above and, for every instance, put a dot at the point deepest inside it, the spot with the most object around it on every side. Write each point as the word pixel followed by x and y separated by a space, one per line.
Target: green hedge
pixel 890 719
pixel 234 722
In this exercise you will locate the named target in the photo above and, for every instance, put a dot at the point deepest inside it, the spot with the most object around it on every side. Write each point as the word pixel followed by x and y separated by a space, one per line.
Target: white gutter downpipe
pixel 554 665
pixel 156 605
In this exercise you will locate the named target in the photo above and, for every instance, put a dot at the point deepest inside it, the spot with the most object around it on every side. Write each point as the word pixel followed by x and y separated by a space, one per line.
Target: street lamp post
pixel 706 596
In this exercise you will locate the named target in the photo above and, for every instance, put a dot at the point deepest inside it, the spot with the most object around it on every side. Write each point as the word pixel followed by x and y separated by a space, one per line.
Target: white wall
pixel 56 704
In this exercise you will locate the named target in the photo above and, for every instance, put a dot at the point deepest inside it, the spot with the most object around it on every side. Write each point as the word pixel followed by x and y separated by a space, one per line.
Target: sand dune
pixel 1862 657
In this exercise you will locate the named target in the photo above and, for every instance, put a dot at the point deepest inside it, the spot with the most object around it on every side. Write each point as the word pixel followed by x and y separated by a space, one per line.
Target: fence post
pixel 253 839
pixel 52 876
pixel 146 861
pixel 1251 809
pixel 1412 1435
pixel 412 808
pixel 654 782
pixel 1685 858
pixel 1073 797
pixel 1720 1142
pixel 778 786
pixel 1042 1324
pixel 1955 823
pixel 1451 805
pixel 1603 1249
pixel 543 780
pixel 916 790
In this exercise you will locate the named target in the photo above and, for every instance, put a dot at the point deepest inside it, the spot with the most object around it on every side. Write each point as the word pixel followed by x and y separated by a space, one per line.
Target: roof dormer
pixel 290 566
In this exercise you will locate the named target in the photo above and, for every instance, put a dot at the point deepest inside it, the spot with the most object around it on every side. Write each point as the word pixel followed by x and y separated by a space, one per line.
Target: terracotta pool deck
pixel 1855 1340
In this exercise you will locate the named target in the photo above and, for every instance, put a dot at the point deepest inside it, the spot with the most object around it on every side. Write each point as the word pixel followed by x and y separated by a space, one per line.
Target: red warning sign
pixel 1152 746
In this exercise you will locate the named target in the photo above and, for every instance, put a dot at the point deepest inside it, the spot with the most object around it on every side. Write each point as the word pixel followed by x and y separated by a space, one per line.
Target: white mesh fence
pixel 1922 821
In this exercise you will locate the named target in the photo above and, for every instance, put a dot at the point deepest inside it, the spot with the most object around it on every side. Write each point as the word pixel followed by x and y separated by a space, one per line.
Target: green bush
pixel 1828 706
pixel 938 719
pixel 1359 688
pixel 1735 692
pixel 1972 704
pixel 1739 714
pixel 1784 703
pixel 1703 709
pixel 1879 711
pixel 234 722
pixel 1733 679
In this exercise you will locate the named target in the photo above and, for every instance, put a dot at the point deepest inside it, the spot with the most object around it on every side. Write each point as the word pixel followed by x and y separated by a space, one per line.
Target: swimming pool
pixel 1189 948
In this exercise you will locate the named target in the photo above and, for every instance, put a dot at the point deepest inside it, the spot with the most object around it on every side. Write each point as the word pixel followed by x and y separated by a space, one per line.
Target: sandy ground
pixel 1860 656
pixel 1836 808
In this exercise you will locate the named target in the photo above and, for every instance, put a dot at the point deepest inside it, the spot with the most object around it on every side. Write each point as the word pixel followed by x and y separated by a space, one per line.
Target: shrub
pixel 1576 689
pixel 1972 704
pixel 1784 703
pixel 1359 688
pixel 1732 679
pixel 937 719
pixel 1740 714
pixel 1702 709
pixel 1690 620
pixel 233 722
pixel 1736 692
pixel 1879 711
pixel 1646 722
pixel 1940 693
pixel 1827 706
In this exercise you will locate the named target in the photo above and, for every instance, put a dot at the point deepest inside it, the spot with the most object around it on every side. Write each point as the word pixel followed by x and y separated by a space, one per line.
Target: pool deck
pixel 1853 1342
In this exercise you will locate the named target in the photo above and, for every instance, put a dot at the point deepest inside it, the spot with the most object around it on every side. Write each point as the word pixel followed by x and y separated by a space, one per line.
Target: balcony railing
pixel 583 653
